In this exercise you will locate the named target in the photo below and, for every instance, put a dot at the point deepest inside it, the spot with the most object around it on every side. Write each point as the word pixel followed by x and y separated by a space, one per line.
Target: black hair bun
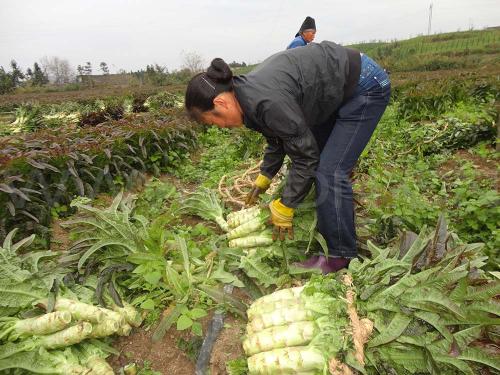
pixel 219 71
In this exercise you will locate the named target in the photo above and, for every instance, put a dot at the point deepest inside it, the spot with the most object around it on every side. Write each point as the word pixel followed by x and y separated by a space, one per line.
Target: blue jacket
pixel 297 42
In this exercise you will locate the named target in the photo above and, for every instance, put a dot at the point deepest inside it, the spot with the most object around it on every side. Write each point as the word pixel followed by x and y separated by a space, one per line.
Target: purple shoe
pixel 334 265
pixel 326 265
pixel 309 263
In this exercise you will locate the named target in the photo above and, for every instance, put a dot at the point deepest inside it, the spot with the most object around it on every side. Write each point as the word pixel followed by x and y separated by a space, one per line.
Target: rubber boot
pixel 309 263
pixel 334 265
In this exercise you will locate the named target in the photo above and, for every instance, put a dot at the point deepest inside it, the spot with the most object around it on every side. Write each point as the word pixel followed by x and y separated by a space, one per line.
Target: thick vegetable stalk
pixel 293 334
pixel 80 310
pixel 221 223
pixel 105 328
pixel 43 362
pixel 99 366
pixel 124 330
pixel 93 358
pixel 262 239
pixel 114 315
pixel 237 218
pixel 257 224
pixel 283 294
pixel 69 336
pixel 295 313
pixel 12 328
pixel 266 307
pixel 293 360
pixel 130 313
pixel 206 204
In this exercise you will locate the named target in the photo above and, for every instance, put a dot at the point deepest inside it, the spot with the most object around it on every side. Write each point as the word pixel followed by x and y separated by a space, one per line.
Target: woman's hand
pixel 281 218
pixel 260 185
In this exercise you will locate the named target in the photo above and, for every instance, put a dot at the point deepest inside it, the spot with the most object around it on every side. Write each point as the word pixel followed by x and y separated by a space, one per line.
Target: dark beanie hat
pixel 307 24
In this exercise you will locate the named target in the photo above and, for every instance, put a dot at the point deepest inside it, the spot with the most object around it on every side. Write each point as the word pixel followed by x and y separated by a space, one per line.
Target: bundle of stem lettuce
pixel 296 330
pixel 247 228
pixel 71 323
pixel 433 309
pixel 78 360
pixel 205 204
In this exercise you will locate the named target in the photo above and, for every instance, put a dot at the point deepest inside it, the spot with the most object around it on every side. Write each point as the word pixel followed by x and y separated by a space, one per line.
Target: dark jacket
pixel 289 94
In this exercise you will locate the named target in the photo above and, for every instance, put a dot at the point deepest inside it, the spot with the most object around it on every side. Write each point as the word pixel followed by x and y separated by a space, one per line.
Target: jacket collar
pixel 246 104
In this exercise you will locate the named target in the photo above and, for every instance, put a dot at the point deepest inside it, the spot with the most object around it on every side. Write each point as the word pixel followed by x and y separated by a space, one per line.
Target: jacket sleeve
pixel 285 119
pixel 274 155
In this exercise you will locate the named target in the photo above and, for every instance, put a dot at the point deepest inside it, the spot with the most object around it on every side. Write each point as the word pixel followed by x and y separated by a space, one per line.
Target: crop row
pixel 45 170
pixel 32 116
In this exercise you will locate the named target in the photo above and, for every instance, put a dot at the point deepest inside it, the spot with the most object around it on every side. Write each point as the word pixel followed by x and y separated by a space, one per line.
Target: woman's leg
pixel 355 123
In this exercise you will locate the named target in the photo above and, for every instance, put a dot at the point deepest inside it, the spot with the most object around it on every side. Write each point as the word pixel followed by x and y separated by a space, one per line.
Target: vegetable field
pixel 126 249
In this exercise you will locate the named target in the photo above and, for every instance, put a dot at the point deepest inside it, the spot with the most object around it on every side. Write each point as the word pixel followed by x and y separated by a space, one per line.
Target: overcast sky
pixel 129 34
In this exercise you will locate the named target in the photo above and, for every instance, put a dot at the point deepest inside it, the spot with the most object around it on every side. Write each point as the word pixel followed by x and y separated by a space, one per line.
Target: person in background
pixel 305 35
pixel 285 98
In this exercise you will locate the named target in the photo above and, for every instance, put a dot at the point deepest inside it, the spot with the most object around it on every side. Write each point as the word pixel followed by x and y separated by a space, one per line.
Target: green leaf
pixel 225 277
pixel 100 245
pixel 197 313
pixel 417 247
pixel 477 355
pixel 184 322
pixel 259 270
pixel 434 320
pixel 433 296
pixel 395 328
pixel 152 277
pixel 166 323
pixel 466 336
pixel 20 295
pixel 148 304
pixel 197 329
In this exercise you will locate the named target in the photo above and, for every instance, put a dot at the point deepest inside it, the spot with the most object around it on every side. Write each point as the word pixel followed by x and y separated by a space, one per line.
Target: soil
pixel 228 345
pixel 167 358
pixel 164 356
pixel 59 240
pixel 486 168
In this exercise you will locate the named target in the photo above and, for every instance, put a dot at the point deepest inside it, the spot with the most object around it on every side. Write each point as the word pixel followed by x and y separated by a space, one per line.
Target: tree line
pixel 58 71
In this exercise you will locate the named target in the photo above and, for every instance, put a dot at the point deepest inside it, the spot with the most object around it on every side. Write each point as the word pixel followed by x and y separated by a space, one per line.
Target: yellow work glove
pixel 281 218
pixel 260 185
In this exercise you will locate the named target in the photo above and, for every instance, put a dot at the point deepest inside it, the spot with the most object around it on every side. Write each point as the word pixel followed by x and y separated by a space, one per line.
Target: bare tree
pixel 193 62
pixel 58 70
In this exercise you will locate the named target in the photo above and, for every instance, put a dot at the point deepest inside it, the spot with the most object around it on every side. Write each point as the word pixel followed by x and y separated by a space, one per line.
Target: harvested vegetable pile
pixel 430 306
pixel 248 245
pixel 54 335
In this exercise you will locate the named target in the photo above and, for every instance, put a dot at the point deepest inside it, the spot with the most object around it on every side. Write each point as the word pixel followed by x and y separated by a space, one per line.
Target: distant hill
pixel 456 50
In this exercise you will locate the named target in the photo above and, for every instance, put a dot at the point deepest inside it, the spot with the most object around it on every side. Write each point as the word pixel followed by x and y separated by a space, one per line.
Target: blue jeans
pixel 356 120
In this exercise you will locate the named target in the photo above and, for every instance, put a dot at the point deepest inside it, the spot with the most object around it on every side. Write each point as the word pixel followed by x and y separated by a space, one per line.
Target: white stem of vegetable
pixel 254 225
pixel 131 314
pixel 291 314
pixel 242 217
pixel 293 334
pixel 290 293
pixel 80 310
pixel 262 239
pixel 105 328
pixel 67 337
pixel 292 360
pixel 99 366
